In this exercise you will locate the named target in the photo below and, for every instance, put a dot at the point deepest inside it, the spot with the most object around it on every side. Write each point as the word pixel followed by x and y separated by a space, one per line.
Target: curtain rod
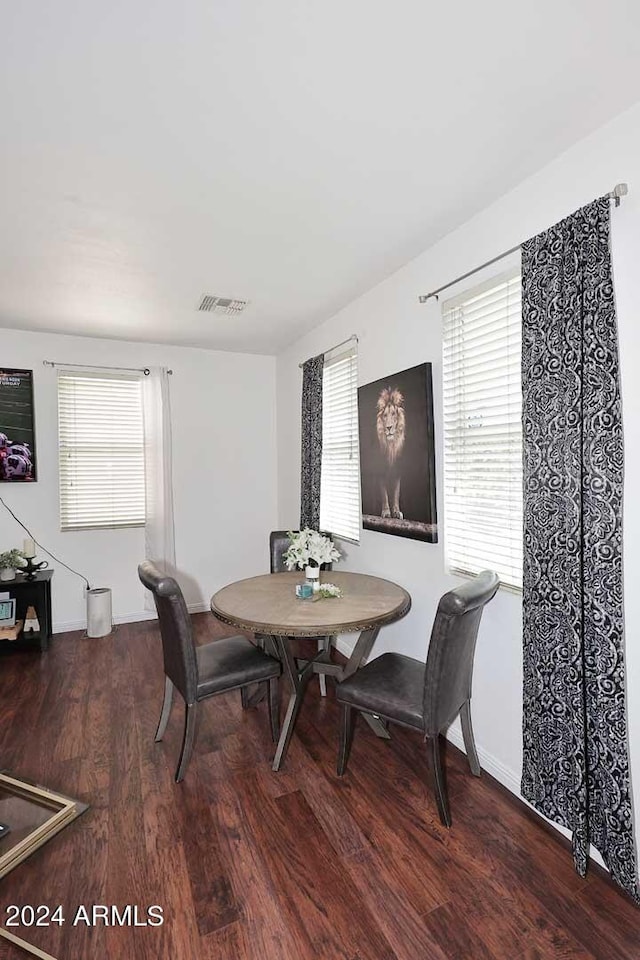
pixel 620 190
pixel 95 366
pixel 354 336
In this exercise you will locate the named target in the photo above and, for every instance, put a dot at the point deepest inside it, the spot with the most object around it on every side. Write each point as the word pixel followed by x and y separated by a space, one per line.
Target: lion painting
pixel 390 421
pixel 397 457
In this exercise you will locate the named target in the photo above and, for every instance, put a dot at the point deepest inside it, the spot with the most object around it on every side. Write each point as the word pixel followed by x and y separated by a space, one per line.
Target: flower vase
pixel 312 575
pixel 7 573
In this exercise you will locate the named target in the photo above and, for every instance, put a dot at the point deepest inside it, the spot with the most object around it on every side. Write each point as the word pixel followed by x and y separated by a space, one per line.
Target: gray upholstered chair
pixel 279 542
pixel 202 672
pixel 427 696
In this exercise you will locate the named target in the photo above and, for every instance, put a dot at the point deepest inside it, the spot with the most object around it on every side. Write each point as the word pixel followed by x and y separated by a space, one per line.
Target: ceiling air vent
pixel 210 304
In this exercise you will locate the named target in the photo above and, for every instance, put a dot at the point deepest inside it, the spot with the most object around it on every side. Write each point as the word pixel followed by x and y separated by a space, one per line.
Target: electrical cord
pixel 48 552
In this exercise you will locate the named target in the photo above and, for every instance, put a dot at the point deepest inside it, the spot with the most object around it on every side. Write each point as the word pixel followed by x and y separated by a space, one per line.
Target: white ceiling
pixel 289 152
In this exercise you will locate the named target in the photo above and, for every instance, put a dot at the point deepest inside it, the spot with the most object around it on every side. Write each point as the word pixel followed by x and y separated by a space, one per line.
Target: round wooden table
pixel 268 605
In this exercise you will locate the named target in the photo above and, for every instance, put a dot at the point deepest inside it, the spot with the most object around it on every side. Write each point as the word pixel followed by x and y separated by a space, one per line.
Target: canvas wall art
pixel 17 433
pixel 397 458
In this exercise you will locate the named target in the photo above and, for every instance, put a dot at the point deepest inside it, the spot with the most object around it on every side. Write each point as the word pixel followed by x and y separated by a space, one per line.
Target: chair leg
pixel 187 740
pixel 324 643
pixel 439 784
pixel 166 710
pixel 347 724
pixel 469 741
pixel 244 697
pixel 274 707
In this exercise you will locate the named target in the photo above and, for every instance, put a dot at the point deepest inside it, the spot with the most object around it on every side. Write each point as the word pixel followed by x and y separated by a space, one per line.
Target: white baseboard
pixel 201 606
pixel 507 777
pixel 344 647
pixel 69 625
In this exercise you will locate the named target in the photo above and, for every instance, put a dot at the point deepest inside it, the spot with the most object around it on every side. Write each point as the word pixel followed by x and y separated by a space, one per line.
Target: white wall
pixel 396 332
pixel 224 470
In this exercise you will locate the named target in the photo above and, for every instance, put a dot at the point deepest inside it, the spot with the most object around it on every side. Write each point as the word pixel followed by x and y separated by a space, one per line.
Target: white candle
pixel 29 549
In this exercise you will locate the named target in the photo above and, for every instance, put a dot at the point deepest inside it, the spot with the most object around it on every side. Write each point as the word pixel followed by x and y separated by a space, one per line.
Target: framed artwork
pixel 397 457
pixel 17 431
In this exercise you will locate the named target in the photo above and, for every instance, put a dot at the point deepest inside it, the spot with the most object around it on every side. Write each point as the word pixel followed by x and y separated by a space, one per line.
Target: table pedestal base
pixel 300 672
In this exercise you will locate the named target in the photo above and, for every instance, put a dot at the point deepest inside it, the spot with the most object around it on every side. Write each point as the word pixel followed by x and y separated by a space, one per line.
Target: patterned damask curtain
pixel 311 458
pixel 575 767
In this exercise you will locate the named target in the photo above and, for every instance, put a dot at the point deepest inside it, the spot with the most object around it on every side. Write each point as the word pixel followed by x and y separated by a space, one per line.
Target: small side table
pixel 30 593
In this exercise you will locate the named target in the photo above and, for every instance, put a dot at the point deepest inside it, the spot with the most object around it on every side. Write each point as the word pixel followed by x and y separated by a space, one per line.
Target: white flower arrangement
pixel 310 548
pixel 328 590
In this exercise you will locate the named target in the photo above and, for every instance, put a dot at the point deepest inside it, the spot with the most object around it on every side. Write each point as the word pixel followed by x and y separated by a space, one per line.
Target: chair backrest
pixel 449 670
pixel 279 542
pixel 175 629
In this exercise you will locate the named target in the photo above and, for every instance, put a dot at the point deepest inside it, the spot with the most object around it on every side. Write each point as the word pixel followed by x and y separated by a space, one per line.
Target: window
pixel 340 482
pixel 101 451
pixel 482 430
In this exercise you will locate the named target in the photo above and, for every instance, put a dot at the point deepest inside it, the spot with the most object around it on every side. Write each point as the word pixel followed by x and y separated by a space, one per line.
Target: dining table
pixel 268 607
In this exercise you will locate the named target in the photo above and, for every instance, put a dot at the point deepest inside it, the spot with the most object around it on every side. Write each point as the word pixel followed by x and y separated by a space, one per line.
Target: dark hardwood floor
pixel 248 864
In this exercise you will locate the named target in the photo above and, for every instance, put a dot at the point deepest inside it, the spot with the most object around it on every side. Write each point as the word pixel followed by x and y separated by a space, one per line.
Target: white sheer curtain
pixel 159 530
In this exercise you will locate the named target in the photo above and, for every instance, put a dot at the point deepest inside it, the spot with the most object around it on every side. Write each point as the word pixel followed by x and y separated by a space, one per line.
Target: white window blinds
pixel 101 451
pixel 340 482
pixel 482 430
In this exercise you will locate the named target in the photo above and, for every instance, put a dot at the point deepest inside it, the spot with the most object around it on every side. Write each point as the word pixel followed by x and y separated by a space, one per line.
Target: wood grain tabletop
pixel 268 604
